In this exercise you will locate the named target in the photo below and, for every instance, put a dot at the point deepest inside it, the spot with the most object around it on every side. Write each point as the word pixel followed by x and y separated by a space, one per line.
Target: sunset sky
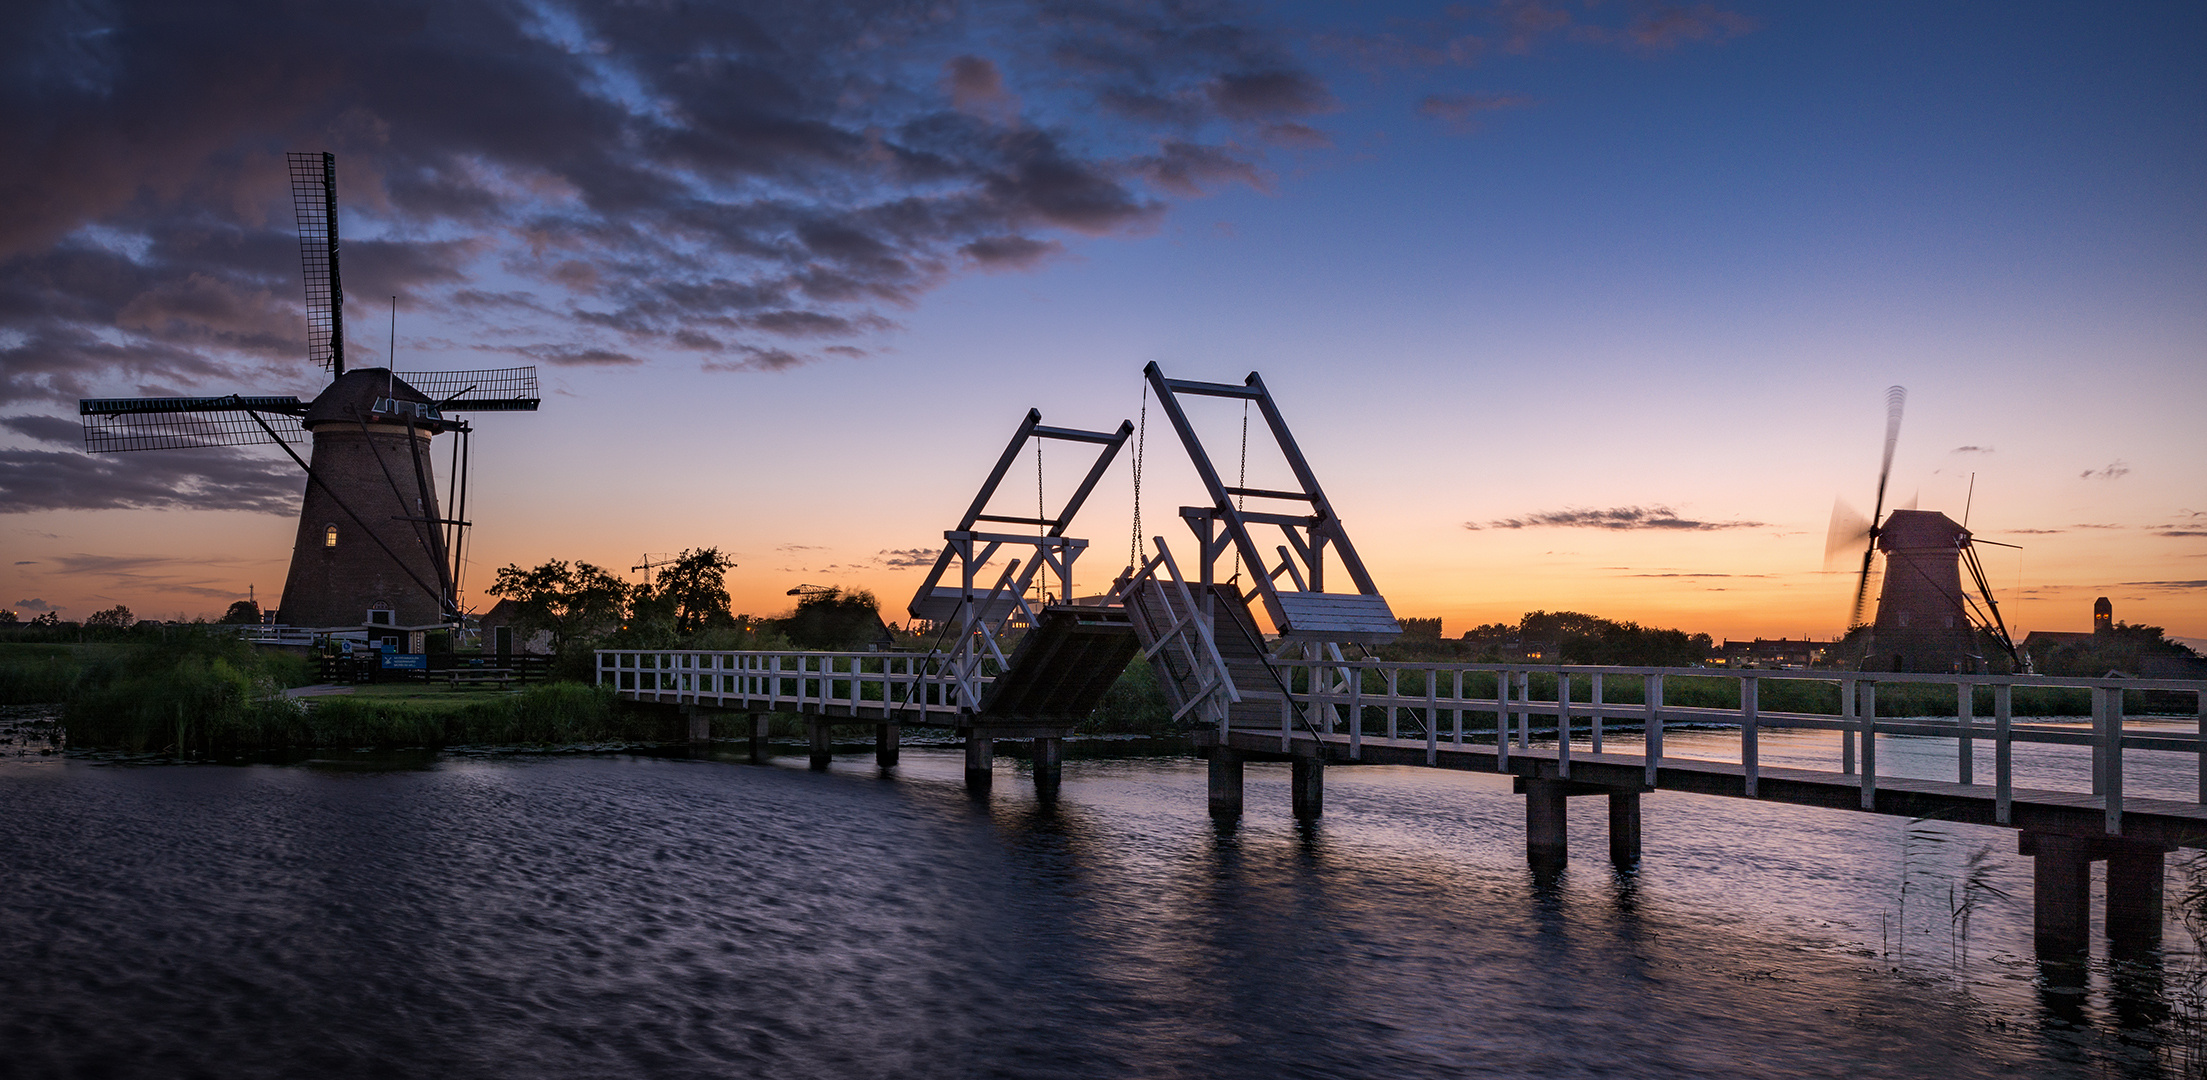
pixel 1583 306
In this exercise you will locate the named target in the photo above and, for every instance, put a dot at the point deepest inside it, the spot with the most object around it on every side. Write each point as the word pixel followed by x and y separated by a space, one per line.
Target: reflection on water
pixel 589 916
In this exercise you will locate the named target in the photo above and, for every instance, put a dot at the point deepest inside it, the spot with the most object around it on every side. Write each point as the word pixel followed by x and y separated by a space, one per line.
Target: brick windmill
pixel 1926 620
pixel 376 549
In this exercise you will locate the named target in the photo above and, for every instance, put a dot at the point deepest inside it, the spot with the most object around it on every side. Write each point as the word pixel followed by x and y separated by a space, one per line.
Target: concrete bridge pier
pixel 759 750
pixel 2061 892
pixel 1307 782
pixel 980 762
pixel 700 722
pixel 823 749
pixel 1049 765
pixel 1226 776
pixel 886 737
pixel 1547 842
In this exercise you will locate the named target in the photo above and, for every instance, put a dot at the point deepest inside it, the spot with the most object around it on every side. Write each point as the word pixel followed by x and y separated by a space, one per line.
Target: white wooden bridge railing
pixel 908 687
pixel 1584 699
pixel 1434 699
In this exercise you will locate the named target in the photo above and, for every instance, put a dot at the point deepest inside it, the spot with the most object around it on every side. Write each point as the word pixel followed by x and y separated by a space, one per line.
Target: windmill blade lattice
pixel 489 390
pixel 116 424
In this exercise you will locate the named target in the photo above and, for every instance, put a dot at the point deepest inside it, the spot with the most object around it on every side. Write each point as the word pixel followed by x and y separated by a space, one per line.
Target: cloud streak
pixel 1618 518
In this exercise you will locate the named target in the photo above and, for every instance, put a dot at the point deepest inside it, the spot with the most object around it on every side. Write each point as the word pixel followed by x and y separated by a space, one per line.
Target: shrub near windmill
pixel 376 549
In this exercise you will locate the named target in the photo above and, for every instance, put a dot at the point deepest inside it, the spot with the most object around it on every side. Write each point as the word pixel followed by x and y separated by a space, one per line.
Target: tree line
pixel 584 607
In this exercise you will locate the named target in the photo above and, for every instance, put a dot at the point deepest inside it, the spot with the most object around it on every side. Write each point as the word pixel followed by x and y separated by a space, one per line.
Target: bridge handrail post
pixel 1846 726
pixel 1868 688
pixel 1393 683
pixel 1524 717
pixel 2201 695
pixel 1965 706
pixel 1356 713
pixel 1563 725
pixel 1651 734
pixel 1458 713
pixel 1502 720
pixel 1432 715
pixel 1595 699
pixel 2113 738
pixel 1750 743
pixel 2003 762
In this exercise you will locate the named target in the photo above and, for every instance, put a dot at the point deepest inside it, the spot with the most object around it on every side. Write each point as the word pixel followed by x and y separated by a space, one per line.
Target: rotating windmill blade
pixel 377 548
pixel 1849 528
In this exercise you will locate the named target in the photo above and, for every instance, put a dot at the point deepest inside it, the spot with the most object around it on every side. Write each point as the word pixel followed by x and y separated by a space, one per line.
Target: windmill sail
pixel 314 200
pixel 182 423
pixel 492 390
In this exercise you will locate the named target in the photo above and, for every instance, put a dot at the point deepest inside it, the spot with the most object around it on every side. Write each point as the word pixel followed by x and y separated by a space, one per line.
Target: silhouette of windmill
pixel 375 547
pixel 1926 620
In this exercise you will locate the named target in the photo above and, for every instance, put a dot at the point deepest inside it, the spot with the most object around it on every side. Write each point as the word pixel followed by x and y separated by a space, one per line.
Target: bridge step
pixel 1063 668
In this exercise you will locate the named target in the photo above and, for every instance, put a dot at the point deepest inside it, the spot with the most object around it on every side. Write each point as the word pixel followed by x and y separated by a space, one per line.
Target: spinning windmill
pixel 375 547
pixel 1925 621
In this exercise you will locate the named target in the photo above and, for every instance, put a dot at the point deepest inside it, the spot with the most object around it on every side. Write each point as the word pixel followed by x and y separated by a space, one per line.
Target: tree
pixel 244 611
pixel 9 618
pixel 114 618
pixel 567 600
pixel 833 619
pixel 692 591
pixel 51 618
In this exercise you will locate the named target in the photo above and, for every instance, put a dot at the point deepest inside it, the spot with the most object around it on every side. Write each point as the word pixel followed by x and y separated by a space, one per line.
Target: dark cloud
pixel 1971 450
pixel 2115 470
pixel 148 573
pixel 50 429
pixel 35 604
pixel 155 479
pixel 2168 584
pixel 2181 532
pixel 1461 112
pixel 746 183
pixel 907 557
pixel 1465 35
pixel 2034 532
pixel 1659 518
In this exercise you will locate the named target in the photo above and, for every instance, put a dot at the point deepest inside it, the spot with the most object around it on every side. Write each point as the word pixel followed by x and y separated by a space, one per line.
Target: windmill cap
pixel 353 397
pixel 1914 529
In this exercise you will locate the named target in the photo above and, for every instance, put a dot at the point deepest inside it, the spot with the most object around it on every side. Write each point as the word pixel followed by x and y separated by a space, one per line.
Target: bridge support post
pixel 1049 765
pixel 1308 788
pixel 2061 893
pixel 886 737
pixel 1547 843
pixel 1226 775
pixel 980 761
pixel 759 751
pixel 2134 879
pixel 701 723
pixel 1624 828
pixel 822 750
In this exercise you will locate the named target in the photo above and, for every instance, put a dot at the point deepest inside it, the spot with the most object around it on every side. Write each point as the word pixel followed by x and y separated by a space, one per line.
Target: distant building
pixel 1771 652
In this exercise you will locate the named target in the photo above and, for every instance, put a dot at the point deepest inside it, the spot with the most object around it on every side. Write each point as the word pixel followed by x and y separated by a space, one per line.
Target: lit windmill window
pixel 329 536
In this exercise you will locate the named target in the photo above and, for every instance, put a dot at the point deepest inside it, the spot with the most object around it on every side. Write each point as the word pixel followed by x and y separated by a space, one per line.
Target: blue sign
pixel 405 662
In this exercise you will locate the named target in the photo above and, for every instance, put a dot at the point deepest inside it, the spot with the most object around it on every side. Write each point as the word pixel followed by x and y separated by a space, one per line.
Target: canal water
pixel 612 914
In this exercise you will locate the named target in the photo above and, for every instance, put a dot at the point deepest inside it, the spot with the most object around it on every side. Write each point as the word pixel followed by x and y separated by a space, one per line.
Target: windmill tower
pixel 1921 622
pixel 1926 621
pixel 376 549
